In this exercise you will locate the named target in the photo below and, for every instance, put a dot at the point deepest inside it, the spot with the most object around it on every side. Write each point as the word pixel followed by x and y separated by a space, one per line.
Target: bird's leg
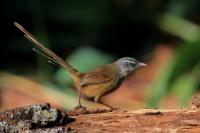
pixel 110 107
pixel 97 99
pixel 79 101
pixel 79 97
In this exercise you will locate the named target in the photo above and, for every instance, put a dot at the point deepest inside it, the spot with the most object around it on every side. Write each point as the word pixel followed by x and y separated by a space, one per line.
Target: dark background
pixel 98 32
pixel 121 27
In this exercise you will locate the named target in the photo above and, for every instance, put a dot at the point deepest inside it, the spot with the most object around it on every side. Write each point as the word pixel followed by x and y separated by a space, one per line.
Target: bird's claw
pixel 80 108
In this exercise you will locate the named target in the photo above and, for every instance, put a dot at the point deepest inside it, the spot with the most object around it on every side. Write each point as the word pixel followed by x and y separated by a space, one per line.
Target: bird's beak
pixel 142 64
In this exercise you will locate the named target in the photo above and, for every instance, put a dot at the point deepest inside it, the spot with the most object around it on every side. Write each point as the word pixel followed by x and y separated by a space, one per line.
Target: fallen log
pixel 43 118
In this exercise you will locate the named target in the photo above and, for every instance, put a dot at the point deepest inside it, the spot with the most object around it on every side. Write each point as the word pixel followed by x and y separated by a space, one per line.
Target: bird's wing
pixel 97 76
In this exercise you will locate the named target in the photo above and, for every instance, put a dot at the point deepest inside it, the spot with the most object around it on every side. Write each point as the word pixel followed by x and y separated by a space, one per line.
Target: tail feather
pixel 47 52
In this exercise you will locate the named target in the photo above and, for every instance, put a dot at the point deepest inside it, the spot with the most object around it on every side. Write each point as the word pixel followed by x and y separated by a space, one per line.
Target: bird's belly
pixel 113 87
pixel 90 91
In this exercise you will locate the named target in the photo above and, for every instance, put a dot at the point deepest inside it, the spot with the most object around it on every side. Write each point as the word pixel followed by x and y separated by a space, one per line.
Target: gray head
pixel 128 64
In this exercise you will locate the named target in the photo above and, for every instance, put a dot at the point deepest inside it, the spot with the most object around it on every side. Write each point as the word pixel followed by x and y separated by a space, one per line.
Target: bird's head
pixel 127 65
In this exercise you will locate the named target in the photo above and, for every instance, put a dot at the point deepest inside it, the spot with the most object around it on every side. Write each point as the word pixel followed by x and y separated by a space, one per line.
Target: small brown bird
pixel 95 83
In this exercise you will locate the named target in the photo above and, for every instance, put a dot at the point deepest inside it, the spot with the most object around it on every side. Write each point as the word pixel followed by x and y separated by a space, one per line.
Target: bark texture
pixel 33 118
pixel 43 118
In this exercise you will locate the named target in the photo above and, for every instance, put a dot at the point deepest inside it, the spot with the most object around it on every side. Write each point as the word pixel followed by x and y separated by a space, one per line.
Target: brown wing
pixel 98 76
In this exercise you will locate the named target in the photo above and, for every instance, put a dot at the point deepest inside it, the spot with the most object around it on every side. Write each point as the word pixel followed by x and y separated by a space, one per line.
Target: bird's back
pixel 100 81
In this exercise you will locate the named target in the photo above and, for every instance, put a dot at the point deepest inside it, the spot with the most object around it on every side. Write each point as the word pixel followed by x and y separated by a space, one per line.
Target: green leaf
pixel 186 57
pixel 184 87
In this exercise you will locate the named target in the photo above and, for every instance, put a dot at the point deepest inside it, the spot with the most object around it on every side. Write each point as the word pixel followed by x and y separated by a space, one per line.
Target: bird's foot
pixel 77 111
pixel 80 108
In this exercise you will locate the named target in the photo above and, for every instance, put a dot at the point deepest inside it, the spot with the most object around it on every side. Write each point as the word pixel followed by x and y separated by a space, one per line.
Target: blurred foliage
pixel 180 27
pixel 176 73
pixel 186 59
pixel 91 33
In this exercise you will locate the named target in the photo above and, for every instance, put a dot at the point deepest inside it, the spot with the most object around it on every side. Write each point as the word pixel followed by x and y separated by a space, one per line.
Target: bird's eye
pixel 127 64
pixel 132 64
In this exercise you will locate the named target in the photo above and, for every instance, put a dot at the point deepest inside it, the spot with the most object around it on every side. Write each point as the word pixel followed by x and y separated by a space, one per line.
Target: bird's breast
pixel 116 84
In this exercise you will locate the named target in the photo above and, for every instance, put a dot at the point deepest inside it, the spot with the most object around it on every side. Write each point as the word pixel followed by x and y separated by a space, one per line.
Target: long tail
pixel 53 58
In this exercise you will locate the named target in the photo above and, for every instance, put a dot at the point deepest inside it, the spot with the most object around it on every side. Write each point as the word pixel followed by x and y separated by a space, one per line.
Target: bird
pixel 94 84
